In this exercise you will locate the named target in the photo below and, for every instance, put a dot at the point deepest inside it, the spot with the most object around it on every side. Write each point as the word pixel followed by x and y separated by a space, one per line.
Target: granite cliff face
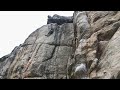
pixel 84 46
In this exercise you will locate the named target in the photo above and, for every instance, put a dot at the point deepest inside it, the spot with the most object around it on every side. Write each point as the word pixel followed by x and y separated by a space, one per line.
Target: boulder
pixel 59 19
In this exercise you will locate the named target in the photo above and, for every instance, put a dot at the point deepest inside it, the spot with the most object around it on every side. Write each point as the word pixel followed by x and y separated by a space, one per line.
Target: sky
pixel 16 26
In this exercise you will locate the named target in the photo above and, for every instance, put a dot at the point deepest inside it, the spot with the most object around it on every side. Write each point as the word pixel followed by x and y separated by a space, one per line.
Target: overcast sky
pixel 16 26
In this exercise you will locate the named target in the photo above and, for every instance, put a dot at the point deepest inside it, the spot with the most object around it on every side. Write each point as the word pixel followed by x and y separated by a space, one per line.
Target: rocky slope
pixel 84 46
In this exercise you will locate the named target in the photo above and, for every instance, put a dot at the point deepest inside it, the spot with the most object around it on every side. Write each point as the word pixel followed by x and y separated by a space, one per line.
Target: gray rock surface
pixel 110 59
pixel 45 57
pixel 84 46
pixel 6 61
pixel 100 44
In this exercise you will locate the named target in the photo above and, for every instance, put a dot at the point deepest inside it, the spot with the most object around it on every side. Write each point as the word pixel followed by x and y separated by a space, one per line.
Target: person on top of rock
pixel 51 28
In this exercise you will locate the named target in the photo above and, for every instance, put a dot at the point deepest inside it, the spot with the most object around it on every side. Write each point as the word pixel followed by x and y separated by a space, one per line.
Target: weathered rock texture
pixel 84 46
pixel 98 42
pixel 44 57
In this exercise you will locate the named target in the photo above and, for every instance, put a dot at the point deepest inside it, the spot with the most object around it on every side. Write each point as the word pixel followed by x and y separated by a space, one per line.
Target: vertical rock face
pixel 98 46
pixel 84 46
pixel 42 56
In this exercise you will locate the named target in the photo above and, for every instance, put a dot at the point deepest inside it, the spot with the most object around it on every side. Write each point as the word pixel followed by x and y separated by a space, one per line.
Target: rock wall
pixel 85 48
pixel 98 44
pixel 42 56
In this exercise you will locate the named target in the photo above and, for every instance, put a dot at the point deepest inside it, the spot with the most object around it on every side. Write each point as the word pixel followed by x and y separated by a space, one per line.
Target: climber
pixel 51 30
pixel 49 18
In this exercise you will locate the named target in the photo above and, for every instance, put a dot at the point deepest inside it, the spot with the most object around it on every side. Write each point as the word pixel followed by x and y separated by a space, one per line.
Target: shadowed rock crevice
pixel 51 55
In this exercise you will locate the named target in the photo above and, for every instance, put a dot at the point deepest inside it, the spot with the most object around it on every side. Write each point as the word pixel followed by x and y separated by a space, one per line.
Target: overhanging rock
pixel 59 19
